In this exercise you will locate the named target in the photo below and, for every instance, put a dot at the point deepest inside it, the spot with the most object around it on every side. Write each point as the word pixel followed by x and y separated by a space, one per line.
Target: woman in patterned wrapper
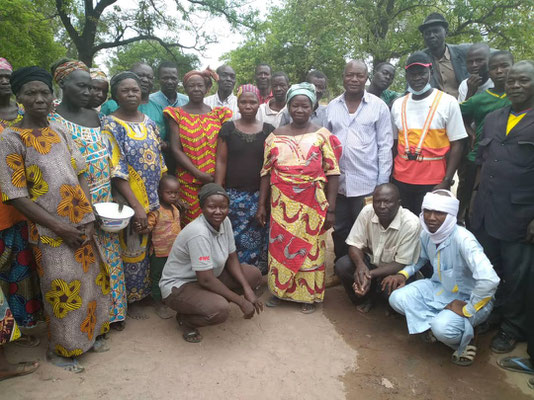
pixel 83 124
pixel 301 172
pixel 42 176
pixel 194 130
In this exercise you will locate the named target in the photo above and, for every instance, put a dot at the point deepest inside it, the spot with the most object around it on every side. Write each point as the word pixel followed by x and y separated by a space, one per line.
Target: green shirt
pixel 389 96
pixel 152 109
pixel 477 107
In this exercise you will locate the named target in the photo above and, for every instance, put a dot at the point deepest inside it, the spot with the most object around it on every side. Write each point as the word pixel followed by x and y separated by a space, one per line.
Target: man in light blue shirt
pixel 362 123
pixel 459 295
pixel 168 83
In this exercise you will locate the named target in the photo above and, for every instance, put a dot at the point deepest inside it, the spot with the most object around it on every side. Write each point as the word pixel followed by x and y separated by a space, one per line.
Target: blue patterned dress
pixel 136 157
pixel 93 148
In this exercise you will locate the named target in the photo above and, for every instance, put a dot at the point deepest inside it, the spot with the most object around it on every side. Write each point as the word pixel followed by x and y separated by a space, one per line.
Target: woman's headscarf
pixel 98 75
pixel 305 89
pixel 211 189
pixel 208 74
pixel 448 204
pixel 68 67
pixel 24 75
pixel 118 78
pixel 248 88
pixel 4 64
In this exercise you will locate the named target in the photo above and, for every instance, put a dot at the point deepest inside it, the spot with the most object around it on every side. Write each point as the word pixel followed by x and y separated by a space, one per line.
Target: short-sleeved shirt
pixel 477 107
pixel 399 242
pixel 446 126
pixel 163 101
pixel 230 102
pixel 462 89
pixel 198 247
pixel 270 116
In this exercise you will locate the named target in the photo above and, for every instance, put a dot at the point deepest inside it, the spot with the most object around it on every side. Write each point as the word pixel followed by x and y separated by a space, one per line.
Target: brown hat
pixel 434 19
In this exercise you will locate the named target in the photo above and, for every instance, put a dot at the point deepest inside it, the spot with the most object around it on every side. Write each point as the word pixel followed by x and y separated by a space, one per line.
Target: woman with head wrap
pixel 458 297
pixel 301 172
pixel 18 276
pixel 238 166
pixel 194 129
pixel 136 168
pixel 83 124
pixel 202 273
pixel 43 177
pixel 99 88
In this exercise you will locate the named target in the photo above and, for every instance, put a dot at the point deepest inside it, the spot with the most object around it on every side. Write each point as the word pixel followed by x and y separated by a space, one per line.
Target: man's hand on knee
pixel 393 282
pixel 456 306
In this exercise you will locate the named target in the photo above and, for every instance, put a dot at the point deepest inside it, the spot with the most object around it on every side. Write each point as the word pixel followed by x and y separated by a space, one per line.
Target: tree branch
pixel 222 11
pixel 115 43
pixel 65 19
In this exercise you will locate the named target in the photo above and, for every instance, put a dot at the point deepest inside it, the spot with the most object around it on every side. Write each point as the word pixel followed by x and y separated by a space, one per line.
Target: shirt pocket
pixel 448 279
pixel 388 255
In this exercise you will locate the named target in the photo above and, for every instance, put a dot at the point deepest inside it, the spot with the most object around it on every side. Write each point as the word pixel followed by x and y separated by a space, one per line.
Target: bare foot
pixel 68 364
pixel 135 313
pixel 163 311
pixel 20 369
pixel 365 307
pixel 27 341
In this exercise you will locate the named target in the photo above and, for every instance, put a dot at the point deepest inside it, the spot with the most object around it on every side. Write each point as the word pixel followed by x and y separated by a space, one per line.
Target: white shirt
pixel 462 89
pixel 230 102
pixel 267 115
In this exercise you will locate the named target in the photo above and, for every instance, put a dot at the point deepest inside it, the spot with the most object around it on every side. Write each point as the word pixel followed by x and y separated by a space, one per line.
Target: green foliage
pixel 27 35
pixel 310 34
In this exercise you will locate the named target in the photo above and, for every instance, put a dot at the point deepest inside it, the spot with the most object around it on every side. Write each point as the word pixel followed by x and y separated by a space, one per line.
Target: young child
pixel 164 223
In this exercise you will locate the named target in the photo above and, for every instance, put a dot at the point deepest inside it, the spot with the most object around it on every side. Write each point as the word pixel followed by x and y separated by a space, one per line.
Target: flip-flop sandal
pixel 515 364
pixel 22 368
pixel 164 312
pixel 68 364
pixel 466 358
pixel 307 308
pixel 530 383
pixel 118 326
pixel 273 302
pixel 193 336
pixel 27 341
pixel 100 346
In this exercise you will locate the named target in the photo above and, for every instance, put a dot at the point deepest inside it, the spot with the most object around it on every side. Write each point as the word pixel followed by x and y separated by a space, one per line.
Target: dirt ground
pixel 335 353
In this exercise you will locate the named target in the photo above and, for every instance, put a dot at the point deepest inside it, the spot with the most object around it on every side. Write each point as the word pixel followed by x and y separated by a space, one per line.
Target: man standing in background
pixel 225 96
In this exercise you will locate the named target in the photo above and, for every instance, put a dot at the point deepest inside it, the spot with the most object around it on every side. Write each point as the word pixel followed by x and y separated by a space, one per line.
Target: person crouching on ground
pixel 383 240
pixel 459 295
pixel 164 226
pixel 203 272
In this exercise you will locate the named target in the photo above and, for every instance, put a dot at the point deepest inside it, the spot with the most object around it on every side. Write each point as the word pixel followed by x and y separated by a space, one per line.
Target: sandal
pixel 273 302
pixel 28 341
pixel 530 383
pixel 20 369
pixel 68 364
pixel 466 358
pixel 190 335
pixel 428 337
pixel 307 308
pixel 100 345
pixel 516 364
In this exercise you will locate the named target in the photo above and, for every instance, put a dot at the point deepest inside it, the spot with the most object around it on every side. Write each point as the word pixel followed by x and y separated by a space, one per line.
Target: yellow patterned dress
pixel 136 157
pixel 43 165
pixel 299 167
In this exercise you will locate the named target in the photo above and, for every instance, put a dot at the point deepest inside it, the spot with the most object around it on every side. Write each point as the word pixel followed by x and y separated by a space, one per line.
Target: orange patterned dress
pixel 299 167
pixel 43 165
pixel 198 136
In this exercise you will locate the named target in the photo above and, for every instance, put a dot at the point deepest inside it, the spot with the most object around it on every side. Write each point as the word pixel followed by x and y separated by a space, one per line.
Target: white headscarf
pixel 435 202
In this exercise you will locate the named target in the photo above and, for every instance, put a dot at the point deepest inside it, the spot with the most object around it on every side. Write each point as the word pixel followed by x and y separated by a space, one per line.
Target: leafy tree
pixel 95 25
pixel 27 36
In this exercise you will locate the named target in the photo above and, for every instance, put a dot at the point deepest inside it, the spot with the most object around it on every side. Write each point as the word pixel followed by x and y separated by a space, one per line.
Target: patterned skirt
pixel 18 276
pixel 136 263
pixel 297 243
pixel 9 331
pixel 189 195
pixel 250 238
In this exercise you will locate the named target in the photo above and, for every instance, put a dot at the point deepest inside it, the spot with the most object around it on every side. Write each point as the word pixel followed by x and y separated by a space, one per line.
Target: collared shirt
pixel 367 141
pixel 462 89
pixel 198 247
pixel 399 242
pixel 448 81
pixel 163 101
pixel 318 117
pixel 264 100
pixel 267 115
pixel 230 102
pixel 460 267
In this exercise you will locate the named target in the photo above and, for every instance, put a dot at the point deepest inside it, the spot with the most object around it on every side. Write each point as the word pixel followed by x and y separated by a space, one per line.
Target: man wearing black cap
pixel 449 66
pixel 428 125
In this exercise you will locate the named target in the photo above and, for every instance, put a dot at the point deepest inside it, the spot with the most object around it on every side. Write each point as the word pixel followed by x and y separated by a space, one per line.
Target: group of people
pixel 229 187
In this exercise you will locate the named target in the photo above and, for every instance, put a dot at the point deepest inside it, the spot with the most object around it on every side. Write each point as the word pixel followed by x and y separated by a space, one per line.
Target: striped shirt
pixel 367 141
pixel 230 102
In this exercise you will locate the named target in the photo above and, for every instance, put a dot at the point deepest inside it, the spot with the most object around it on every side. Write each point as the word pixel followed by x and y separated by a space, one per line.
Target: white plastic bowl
pixel 111 220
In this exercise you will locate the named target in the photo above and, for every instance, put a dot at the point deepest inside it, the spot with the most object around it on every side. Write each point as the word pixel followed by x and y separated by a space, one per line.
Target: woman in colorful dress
pixel 84 126
pixel 194 130
pixel 42 176
pixel 136 168
pixel 9 331
pixel 301 169
pixel 239 162
pixel 18 275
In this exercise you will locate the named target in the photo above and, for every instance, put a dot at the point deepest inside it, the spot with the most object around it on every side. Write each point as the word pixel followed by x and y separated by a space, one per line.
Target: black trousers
pixel 347 210
pixel 412 195
pixel 467 172
pixel 514 263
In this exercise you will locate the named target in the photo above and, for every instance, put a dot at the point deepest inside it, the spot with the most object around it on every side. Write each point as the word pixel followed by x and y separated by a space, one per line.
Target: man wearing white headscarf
pixel 459 294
